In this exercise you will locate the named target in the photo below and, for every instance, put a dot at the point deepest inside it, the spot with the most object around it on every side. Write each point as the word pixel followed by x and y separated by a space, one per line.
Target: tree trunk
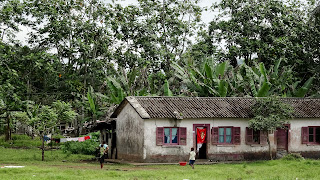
pixel 42 147
pixel 270 152
pixel 8 130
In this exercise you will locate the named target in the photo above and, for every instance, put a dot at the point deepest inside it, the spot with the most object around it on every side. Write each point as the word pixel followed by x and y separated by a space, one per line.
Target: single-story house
pixel 163 129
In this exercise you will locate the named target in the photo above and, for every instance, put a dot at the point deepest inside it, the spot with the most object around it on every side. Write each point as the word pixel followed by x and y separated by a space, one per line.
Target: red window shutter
pixel 182 136
pixel 215 135
pixel 263 137
pixel 304 135
pixel 159 140
pixel 236 135
pixel 249 135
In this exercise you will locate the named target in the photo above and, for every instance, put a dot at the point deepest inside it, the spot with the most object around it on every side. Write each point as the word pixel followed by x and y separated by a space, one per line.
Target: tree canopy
pixel 93 53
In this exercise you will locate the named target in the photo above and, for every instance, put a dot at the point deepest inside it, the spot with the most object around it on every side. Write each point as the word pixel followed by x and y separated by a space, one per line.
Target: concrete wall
pixel 295 145
pixel 130 135
pixel 136 139
pixel 152 152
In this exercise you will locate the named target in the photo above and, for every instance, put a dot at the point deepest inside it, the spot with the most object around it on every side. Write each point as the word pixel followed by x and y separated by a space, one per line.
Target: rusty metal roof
pixel 210 107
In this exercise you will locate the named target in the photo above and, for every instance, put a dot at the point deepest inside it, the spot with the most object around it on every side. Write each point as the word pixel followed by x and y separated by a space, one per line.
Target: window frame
pixel 249 137
pixel 181 136
pixel 224 136
pixel 164 143
pixel 314 135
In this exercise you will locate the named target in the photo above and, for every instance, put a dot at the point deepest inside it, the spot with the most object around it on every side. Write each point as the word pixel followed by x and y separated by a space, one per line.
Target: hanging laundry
pixel 72 139
pixel 201 137
pixel 87 137
pixel 46 138
pixel 81 139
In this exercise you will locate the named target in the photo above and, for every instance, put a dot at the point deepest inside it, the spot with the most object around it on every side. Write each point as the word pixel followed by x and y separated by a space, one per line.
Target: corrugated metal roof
pixel 210 107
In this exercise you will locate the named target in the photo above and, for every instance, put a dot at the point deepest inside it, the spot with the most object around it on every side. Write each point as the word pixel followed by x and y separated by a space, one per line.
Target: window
pixel 310 135
pixel 225 135
pixel 171 136
pixel 255 136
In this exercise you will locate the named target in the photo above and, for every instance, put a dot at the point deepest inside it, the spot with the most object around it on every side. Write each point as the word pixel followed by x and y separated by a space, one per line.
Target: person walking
pixel 192 157
pixel 103 151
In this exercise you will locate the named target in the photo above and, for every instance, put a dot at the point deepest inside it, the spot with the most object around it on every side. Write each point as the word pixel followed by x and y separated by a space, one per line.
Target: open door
pixel 201 139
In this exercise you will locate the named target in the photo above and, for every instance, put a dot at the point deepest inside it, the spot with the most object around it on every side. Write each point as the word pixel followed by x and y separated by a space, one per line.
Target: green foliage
pixel 20 141
pixel 268 32
pixel 292 157
pixel 95 135
pixel 20 137
pixel 87 147
pixel 270 113
pixel 166 89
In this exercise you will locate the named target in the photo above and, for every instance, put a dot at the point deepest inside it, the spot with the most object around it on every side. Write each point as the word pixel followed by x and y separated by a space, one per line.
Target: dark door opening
pixel 201 142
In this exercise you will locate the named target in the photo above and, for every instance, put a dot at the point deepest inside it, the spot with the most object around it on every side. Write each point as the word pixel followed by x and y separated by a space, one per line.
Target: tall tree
pixel 255 31
pixel 46 118
pixel 269 114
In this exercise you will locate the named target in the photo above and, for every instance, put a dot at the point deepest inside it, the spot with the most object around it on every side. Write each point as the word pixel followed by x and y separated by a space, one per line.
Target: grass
pixel 58 165
pixel 20 141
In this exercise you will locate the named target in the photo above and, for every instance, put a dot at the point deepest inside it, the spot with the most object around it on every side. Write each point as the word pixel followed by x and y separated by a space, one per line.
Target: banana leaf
pixel 305 88
pixel 263 91
pixel 223 88
pixel 220 68
pixel 166 89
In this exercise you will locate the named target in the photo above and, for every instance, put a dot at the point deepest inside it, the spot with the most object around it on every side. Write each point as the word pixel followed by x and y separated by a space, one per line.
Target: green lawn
pixel 68 166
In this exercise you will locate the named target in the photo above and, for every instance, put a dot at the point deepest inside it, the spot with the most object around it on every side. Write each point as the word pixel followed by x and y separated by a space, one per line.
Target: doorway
pixel 283 138
pixel 201 139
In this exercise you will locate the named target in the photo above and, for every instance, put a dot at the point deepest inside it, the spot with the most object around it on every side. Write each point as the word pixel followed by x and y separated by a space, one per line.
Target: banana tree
pixel 211 79
pixel 95 104
pixel 254 81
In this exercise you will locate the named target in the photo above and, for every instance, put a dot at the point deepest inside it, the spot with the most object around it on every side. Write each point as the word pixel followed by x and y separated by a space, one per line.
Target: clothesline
pixel 61 140
pixel 79 139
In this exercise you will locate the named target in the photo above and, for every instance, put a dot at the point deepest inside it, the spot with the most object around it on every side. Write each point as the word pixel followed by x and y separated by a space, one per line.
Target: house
pixel 163 129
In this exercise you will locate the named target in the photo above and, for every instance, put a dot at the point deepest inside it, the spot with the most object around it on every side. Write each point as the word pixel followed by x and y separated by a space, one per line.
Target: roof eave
pixel 136 106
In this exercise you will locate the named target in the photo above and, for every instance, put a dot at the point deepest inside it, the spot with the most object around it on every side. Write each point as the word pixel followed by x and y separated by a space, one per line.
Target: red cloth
pixel 201 135
pixel 86 137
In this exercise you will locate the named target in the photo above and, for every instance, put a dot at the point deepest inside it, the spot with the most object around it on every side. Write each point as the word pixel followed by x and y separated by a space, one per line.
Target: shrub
pixel 20 137
pixel 86 147
pixel 95 135
pixel 293 157
pixel 20 141
pixel 57 136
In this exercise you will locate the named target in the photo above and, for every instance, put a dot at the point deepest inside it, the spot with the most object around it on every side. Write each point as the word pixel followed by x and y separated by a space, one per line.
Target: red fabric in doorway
pixel 201 135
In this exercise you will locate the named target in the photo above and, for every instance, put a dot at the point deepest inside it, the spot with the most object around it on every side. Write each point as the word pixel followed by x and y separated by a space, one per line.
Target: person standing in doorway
pixel 103 151
pixel 192 158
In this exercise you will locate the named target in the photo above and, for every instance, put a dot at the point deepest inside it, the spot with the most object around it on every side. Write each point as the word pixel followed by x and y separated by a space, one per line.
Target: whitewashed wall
pixel 129 128
pixel 150 147
pixel 136 137
pixel 295 144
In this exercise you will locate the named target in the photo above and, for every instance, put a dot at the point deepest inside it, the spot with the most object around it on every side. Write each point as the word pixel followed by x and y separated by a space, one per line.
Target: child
pixel 103 150
pixel 192 158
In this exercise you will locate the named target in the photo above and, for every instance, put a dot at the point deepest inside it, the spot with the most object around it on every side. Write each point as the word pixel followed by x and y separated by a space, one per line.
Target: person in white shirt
pixel 192 158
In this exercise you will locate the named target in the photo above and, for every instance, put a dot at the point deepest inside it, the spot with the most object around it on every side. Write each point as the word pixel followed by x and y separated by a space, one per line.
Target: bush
pixel 87 147
pixel 20 137
pixel 20 141
pixel 95 135
pixel 293 157
pixel 57 136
